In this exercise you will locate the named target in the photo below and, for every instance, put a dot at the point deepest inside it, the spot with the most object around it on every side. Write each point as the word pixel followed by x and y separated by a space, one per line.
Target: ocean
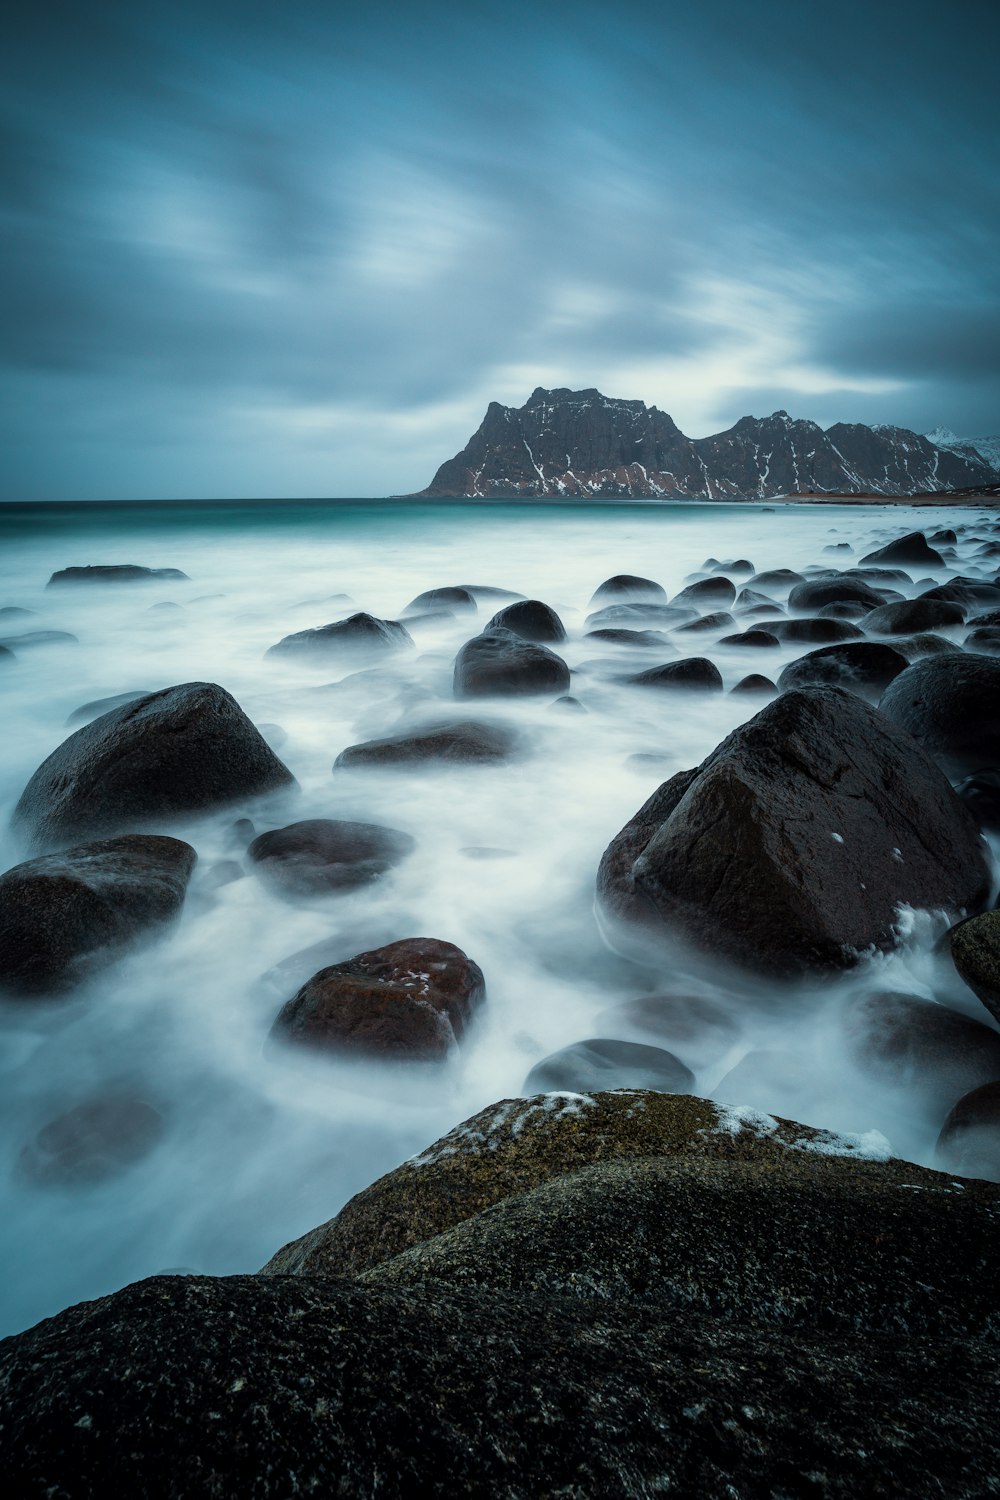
pixel 259 1145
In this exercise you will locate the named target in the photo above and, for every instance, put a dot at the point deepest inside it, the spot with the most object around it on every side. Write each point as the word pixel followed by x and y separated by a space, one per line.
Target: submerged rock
pixel 951 704
pixel 606 1063
pixel 360 633
pixel 113 573
pixel 795 842
pixel 37 638
pixel 696 1028
pixel 94 1141
pixel 862 667
pixel 693 674
pixel 410 1001
pixel 65 915
pixel 933 1053
pixel 183 750
pixel 320 856
pixel 87 712
pixel 498 662
pixel 969 1143
pixel 464 742
pixel 458 600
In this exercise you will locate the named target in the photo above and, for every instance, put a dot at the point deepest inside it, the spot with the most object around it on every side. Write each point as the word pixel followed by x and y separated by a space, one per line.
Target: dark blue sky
pixel 271 249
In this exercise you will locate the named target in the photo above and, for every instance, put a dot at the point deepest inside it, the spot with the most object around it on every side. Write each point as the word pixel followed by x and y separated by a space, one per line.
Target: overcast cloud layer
pixel 251 249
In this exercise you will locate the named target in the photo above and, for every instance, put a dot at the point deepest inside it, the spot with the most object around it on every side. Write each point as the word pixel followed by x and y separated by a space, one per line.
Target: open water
pixel 259 1145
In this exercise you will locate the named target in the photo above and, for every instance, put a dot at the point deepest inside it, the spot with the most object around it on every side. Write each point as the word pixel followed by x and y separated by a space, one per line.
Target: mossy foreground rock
pixel 666 1297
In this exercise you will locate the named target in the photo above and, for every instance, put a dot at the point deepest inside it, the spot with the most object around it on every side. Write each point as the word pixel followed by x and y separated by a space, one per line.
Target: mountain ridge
pixel 578 444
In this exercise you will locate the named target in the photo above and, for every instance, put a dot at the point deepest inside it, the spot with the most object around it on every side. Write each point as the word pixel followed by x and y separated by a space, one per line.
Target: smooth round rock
pixel 359 634
pixel 817 630
pixel 755 685
pixel 603 1063
pixel 932 1054
pixel 93 1142
pixel 862 667
pixel 456 600
pixel 532 621
pixel 717 590
pixel 323 856
pixel 910 616
pixel 951 705
pixel 624 586
pixel 975 950
pixel 498 662
pixel 464 742
pixel 814 593
pixel 694 674
pixel 969 1143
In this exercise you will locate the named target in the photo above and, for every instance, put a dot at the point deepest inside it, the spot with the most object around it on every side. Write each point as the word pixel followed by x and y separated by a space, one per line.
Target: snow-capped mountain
pixel 986 448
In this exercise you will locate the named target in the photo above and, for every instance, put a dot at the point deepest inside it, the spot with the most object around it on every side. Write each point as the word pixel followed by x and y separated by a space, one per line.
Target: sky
pixel 261 249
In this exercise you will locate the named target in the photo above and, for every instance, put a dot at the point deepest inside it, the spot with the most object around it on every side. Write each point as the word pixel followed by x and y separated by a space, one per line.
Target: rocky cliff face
pixel 569 444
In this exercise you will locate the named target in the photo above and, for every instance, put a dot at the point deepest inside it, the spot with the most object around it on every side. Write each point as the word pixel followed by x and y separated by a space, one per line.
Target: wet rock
pixel 626 586
pixel 93 710
pixel 30 638
pixel 93 1142
pixel 777 580
pixel 862 667
pixel 981 795
pixel 637 615
pixel 463 742
pixel 741 566
pixel 695 1028
pixel 975 949
pixel 602 1063
pixel 719 620
pixel 985 640
pixel 838 547
pixel 749 598
pixel 817 630
pixel 113 573
pixel 500 662
pixel 532 621
pixel 242 833
pixel 320 856
pixel 832 819
pixel 569 705
pixel 913 647
pixel 706 591
pixel 814 593
pixel 879 577
pixel 410 1000
pixel 360 633
pixel 951 704
pixel 761 612
pixel 485 593
pixel 752 640
pixel 644 638
pixel 694 674
pixel 933 1054
pixel 843 609
pixel 15 612
pixel 223 872
pixel 974 594
pixel 913 615
pixel 969 1143
pixel 912 548
pixel 754 684
pixel 65 915
pixel 988 617
pixel 456 600
pixel 184 750
pixel 945 535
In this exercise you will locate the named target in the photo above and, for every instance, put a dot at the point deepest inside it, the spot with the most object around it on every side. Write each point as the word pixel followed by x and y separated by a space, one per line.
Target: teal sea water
pixel 259 1146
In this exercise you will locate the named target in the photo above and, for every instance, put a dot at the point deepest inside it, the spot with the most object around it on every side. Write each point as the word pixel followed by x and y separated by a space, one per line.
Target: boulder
pixel 913 615
pixel 975 950
pixel 693 674
pixel 912 548
pixel 359 634
pixel 752 640
pixel 498 662
pixel 750 598
pixel 944 536
pixel 985 640
pixel 913 647
pixel 696 1028
pixel 981 795
pixel 463 742
pixel 184 750
pixel 974 594
pixel 320 856
pixel 818 630
pixel 663 615
pixel 644 638
pixel 931 1052
pixel 843 609
pixel 113 573
pixel 31 638
pixel 87 712
pixel 814 593
pixel 95 1141
pixel 863 667
pixel 455 600
pixel 988 617
pixel 6 654
pixel 604 1063
pixel 969 1143
pixel 532 621
pixel 754 684
pixel 838 547
pixel 626 586
pixel 879 576
pixel 778 580
pixel 793 845
pixel 951 704
pixel 715 590
pixel 409 1001
pixel 718 620
pixel 65 915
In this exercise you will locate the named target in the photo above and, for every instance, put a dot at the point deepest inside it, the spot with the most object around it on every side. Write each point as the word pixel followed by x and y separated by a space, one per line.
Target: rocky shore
pixel 611 1284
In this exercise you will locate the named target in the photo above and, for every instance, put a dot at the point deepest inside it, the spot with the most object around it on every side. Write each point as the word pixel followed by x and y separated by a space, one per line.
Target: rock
pixel 706 591
pixel 320 856
pixel 778 580
pixel 360 633
pixel 692 674
pixel 638 615
pixel 843 609
pixel 697 1029
pixel 183 750
pixel 912 548
pixel 223 872
pixel 755 685
pixel 815 592
pixel 951 704
pixel 6 654
pixel 985 640
pixel 462 742
pixel 767 1077
pixel 748 598
pixel 485 593
pixel 913 647
pixel 65 915
pixel 989 617
pixel 500 662
pixel 626 586
pixel 981 795
pixel 411 1001
pixel 838 547
pixel 833 819
pixel 911 615
pixel 458 600
pixel 935 1054
pixel 945 535
pixel 569 705
pixel 113 573
pixel 36 638
pixel 532 621
pixel 720 620
pixel 817 629
pixel 642 638
pixel 879 577
pixel 601 1063
pixel 975 950
pixel 93 710
pixel 754 640
pixel 15 611
pixel 974 594
pixel 863 667
pixel 95 1141
pixel 969 1143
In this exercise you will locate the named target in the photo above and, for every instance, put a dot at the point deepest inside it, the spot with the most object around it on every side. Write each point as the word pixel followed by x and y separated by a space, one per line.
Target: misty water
pixel 259 1144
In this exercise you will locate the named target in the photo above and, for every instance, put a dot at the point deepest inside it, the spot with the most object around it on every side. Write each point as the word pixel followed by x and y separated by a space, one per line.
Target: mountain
pixel 986 448
pixel 565 443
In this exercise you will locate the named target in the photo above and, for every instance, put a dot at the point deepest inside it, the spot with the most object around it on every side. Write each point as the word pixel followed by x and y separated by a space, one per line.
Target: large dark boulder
pixel 816 592
pixel 498 662
pixel 755 639
pixel 113 573
pixel 817 630
pixel 719 619
pixel 607 1063
pixel 64 915
pixel 863 667
pixel 912 548
pixel 409 1001
pixel 693 674
pixel 184 750
pixel 717 590
pixel 628 586
pixel 646 639
pixel 931 1053
pixel 974 594
pixel 755 685
pixel 907 616
pixel 323 856
pixel 360 634
pixel 951 704
pixel 464 742
pixel 532 621
pixel 975 950
pixel 793 845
